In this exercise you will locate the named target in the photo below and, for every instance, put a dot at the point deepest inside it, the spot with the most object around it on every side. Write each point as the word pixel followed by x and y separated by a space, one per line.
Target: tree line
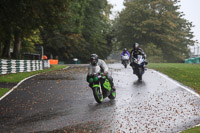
pixel 158 26
pixel 77 28
pixel 65 28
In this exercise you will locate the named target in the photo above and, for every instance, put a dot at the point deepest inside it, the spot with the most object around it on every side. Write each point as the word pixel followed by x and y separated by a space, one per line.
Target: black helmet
pixel 125 49
pixel 94 59
pixel 136 45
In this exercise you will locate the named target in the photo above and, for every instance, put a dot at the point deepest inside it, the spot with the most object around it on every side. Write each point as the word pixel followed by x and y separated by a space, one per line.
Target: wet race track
pixel 61 101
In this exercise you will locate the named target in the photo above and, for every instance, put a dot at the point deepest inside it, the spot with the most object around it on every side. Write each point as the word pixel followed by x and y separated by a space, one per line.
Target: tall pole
pixel 42 52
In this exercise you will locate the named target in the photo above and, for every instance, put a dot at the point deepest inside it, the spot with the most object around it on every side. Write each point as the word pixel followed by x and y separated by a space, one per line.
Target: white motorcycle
pixel 125 60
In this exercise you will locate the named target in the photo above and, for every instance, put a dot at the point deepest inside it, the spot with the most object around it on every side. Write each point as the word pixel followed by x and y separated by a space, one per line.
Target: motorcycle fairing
pixel 96 85
pixel 107 85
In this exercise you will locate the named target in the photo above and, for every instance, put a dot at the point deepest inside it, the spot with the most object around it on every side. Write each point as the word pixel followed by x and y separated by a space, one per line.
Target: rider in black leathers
pixel 137 51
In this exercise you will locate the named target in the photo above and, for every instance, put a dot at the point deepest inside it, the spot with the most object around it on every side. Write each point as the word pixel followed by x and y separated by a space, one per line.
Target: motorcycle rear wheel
pixel 112 95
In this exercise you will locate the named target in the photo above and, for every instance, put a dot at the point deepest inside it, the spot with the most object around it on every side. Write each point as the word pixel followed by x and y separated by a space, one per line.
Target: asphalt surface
pixel 61 101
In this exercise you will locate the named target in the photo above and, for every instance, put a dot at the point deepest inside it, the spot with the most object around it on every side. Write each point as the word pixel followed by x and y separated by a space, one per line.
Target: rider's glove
pixel 105 73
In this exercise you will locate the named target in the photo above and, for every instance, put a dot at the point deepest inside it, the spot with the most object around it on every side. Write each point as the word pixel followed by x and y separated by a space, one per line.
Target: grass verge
pixel 3 91
pixel 187 74
pixel 192 130
pixel 17 77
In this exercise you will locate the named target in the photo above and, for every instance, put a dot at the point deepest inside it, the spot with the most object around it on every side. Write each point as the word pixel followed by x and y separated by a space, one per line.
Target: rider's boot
pixel 90 85
pixel 145 67
pixel 134 72
pixel 113 88
pixel 133 69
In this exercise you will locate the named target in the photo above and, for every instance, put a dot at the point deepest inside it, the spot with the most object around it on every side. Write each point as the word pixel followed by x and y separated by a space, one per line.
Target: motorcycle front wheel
pixel 98 95
pixel 139 73
pixel 125 65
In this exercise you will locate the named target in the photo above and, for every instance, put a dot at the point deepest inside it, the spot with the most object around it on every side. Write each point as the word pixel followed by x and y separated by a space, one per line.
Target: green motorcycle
pixel 101 87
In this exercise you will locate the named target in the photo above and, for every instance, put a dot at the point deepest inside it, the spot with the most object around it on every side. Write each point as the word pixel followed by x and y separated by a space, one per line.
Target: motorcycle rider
pixel 94 61
pixel 125 51
pixel 137 51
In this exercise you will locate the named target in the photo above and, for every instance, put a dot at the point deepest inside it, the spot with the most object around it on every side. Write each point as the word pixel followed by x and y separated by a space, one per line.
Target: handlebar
pixel 99 75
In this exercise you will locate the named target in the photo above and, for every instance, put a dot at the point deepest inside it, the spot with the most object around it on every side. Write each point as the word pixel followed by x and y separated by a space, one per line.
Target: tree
pixel 67 28
pixel 21 17
pixel 157 23
pixel 84 30
pixel 65 39
pixel 97 28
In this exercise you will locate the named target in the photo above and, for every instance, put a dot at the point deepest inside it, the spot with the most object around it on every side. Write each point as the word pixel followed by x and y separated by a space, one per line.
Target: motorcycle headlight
pixel 95 79
pixel 91 80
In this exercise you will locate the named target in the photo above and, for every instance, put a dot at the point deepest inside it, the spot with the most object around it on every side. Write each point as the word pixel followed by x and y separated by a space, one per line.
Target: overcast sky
pixel 191 9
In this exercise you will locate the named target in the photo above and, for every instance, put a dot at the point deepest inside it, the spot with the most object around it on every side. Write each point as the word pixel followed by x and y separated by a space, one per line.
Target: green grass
pixel 192 130
pixel 187 74
pixel 17 77
pixel 3 91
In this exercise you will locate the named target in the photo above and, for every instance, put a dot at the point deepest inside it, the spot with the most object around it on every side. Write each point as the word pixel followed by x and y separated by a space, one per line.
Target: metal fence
pixel 14 66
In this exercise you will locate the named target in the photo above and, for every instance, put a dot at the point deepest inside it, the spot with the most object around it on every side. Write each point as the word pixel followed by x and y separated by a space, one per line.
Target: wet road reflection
pixel 62 102
pixel 154 104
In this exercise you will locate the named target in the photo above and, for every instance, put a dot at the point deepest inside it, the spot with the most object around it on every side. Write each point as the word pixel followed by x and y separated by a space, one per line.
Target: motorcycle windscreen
pixel 125 57
pixel 140 59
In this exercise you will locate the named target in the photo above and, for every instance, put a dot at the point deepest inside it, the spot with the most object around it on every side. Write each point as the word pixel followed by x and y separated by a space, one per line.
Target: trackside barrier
pixel 193 60
pixel 46 64
pixel 53 62
pixel 14 66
